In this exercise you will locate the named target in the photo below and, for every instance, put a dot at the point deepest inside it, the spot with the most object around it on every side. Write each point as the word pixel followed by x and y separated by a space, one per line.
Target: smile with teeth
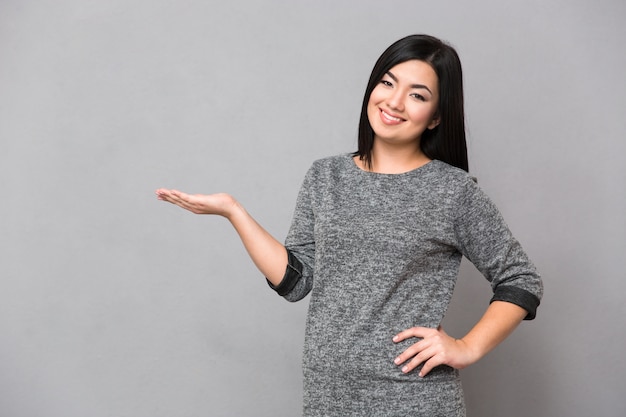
pixel 390 118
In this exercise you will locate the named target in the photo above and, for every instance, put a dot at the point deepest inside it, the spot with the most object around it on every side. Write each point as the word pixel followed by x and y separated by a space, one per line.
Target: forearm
pixel 267 253
pixel 499 321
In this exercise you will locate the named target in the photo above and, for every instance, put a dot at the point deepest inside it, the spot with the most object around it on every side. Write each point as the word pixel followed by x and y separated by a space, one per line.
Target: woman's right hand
pixel 267 253
pixel 221 204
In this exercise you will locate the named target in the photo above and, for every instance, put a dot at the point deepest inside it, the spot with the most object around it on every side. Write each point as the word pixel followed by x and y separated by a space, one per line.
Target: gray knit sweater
pixel 380 253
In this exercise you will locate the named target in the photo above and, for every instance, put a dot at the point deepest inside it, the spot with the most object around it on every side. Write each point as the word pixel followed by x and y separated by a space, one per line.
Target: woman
pixel 377 238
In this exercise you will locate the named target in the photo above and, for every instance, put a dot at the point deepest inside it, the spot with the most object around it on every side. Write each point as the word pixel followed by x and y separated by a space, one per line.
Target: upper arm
pixel 486 240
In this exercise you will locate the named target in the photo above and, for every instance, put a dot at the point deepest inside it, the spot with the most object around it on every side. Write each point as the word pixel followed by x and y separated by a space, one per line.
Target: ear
pixel 434 122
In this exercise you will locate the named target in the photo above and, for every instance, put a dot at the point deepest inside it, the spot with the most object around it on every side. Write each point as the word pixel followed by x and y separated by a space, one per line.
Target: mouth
pixel 388 118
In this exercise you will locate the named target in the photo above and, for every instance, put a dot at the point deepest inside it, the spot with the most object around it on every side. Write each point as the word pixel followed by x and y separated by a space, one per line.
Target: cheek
pixel 421 113
pixel 372 108
pixel 377 96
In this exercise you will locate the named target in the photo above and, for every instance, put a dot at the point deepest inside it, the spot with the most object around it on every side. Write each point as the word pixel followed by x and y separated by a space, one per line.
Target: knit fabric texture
pixel 380 253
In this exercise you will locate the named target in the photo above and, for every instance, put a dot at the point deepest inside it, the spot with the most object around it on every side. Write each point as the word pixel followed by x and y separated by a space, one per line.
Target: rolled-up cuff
pixel 525 299
pixel 293 273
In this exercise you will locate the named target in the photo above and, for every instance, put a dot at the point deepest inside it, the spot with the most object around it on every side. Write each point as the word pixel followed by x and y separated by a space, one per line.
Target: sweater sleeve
pixel 485 239
pixel 300 244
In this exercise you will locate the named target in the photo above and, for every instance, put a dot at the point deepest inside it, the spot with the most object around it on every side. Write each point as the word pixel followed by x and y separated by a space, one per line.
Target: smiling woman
pixel 401 107
pixel 377 239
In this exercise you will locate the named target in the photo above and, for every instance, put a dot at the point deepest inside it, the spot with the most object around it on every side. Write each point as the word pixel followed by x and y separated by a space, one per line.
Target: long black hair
pixel 445 142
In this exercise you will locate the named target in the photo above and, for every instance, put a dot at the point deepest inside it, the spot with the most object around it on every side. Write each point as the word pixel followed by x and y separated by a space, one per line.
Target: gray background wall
pixel 114 304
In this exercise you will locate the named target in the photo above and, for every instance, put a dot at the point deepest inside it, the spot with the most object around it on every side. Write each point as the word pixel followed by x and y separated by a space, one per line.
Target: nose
pixel 395 100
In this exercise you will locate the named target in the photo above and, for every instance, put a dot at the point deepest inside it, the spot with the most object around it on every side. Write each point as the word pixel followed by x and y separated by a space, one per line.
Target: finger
pixel 429 365
pixel 161 193
pixel 422 357
pixel 186 201
pixel 412 351
pixel 412 332
pixel 166 195
pixel 177 198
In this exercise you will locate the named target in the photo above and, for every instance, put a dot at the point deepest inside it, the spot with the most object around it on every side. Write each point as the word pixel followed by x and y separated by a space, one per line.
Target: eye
pixel 386 83
pixel 418 97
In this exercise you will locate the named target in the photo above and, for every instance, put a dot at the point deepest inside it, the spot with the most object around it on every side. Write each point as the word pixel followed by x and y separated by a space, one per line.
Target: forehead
pixel 415 71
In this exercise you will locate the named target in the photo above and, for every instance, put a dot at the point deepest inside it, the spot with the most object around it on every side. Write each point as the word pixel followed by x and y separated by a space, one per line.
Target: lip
pixel 390 118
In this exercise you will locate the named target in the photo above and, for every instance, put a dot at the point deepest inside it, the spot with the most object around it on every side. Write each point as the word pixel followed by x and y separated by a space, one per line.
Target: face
pixel 404 103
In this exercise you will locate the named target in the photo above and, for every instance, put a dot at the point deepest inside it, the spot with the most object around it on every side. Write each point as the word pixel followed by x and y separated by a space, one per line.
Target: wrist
pixel 475 351
pixel 233 210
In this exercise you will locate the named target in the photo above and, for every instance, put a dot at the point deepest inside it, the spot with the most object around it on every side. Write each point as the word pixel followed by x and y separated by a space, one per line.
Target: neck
pixel 396 160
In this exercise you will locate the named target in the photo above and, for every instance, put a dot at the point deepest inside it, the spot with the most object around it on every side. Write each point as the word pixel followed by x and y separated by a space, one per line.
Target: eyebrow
pixel 393 77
